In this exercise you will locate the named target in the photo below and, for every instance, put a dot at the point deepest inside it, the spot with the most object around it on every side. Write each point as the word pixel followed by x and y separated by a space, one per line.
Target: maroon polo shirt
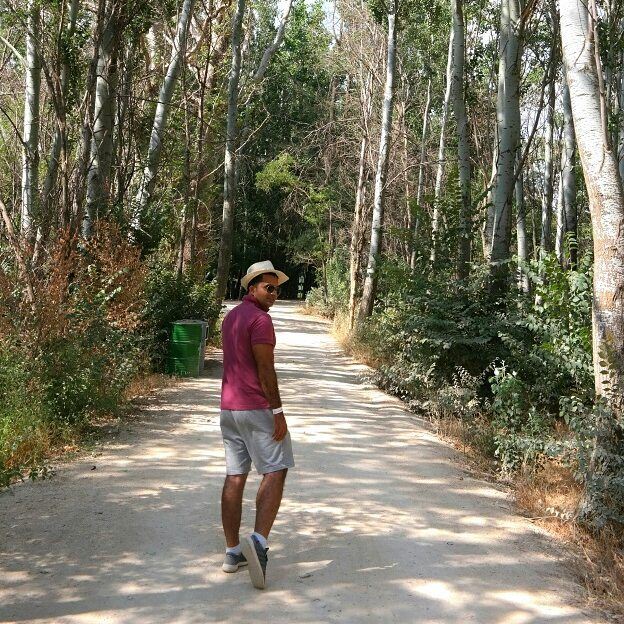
pixel 247 324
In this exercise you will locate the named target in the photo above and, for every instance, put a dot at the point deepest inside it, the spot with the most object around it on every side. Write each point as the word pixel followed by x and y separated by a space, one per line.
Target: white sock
pixel 261 539
pixel 235 550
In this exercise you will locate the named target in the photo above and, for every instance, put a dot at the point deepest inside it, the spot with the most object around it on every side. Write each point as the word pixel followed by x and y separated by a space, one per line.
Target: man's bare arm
pixel 265 364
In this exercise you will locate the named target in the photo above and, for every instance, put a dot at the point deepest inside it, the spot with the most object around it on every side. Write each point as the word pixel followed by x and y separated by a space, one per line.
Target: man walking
pixel 252 420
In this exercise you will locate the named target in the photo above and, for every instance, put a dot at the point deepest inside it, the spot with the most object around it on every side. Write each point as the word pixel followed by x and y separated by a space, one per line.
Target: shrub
pixel 73 353
pixel 332 296
pixel 171 298
pixel 515 372
pixel 23 433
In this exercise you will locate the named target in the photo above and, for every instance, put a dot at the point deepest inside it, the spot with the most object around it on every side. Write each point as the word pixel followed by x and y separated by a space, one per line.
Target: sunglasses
pixel 271 289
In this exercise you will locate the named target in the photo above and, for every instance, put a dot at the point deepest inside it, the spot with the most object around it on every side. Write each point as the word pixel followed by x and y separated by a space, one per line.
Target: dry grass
pixel 143 387
pixel 456 432
pixel 355 348
pixel 550 498
pixel 29 451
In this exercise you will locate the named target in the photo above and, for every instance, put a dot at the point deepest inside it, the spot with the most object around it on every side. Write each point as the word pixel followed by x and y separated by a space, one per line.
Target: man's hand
pixel 281 428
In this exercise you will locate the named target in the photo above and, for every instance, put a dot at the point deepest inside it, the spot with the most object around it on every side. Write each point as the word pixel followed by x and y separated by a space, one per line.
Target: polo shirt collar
pixel 252 299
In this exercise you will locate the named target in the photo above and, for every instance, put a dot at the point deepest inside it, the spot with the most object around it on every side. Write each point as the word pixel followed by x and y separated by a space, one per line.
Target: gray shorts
pixel 248 436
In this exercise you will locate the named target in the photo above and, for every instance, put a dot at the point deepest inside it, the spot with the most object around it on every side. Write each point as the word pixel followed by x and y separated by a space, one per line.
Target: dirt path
pixel 379 523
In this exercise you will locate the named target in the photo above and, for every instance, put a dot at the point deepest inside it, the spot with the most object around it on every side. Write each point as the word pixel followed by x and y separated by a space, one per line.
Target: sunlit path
pixel 379 522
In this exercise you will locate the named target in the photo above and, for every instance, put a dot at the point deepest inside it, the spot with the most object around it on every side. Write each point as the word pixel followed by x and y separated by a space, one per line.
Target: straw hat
pixel 259 268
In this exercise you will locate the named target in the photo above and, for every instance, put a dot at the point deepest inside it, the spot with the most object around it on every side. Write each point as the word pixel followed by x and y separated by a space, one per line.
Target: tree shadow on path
pixel 379 523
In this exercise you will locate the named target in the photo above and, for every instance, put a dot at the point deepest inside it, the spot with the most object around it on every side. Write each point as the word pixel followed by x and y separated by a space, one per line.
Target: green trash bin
pixel 186 348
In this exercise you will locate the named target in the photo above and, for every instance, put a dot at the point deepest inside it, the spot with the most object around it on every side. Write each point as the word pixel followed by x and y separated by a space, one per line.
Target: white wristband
pixel 278 410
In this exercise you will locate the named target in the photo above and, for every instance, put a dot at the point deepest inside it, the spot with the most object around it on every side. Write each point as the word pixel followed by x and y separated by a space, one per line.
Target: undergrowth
pixel 89 343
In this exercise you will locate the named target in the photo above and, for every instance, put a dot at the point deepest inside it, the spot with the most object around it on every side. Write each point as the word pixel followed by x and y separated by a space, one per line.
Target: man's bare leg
pixel 232 507
pixel 268 501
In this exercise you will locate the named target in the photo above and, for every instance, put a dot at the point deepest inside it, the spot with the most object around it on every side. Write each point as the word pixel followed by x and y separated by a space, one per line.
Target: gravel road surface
pixel 380 521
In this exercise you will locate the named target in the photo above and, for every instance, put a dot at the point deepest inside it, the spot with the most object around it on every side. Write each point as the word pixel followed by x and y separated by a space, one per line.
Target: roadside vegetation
pixel 89 343
pixel 509 381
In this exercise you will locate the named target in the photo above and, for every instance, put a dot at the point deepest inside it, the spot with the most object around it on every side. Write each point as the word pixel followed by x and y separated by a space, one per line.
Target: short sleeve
pixel 261 330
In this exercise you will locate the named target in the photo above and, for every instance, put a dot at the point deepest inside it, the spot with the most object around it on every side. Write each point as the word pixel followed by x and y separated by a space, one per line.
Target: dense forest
pixel 443 178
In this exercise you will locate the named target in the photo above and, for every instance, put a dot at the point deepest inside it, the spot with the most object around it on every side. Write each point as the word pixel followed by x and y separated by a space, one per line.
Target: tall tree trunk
pixel 357 234
pixel 407 183
pixel 60 135
pixel 421 174
pixel 124 140
pixel 604 188
pixel 523 248
pixel 488 226
pixel 274 45
pixel 231 174
pixel 229 182
pixel 82 166
pixel 621 114
pixel 463 141
pixel 568 213
pixel 188 136
pixel 508 122
pixel 435 221
pixel 357 228
pixel 101 155
pixel 370 283
pixel 30 159
pixel 159 125
pixel 547 197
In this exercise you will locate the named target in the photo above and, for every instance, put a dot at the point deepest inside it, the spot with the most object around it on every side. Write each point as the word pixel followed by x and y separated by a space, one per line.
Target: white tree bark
pixel 604 188
pixel 81 169
pixel 357 238
pixel 357 229
pixel 488 225
pixel 30 158
pixel 421 173
pixel 567 221
pixel 508 123
pixel 159 125
pixel 463 140
pixel 370 283
pixel 101 151
pixel 523 247
pixel 229 182
pixel 547 197
pixel 274 46
pixel 435 221
pixel 59 135
pixel 621 118
pixel 560 215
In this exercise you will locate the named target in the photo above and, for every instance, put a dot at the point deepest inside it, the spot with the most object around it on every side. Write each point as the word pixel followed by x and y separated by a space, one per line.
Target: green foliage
pixel 283 209
pixel 502 366
pixel 332 296
pixel 87 371
pixel 523 430
pixel 72 356
pixel 22 417
pixel 102 316
pixel 277 174
pixel 597 453
pixel 424 329
pixel 171 298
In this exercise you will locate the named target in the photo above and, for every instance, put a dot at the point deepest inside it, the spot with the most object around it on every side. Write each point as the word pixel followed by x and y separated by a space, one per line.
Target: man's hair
pixel 259 278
